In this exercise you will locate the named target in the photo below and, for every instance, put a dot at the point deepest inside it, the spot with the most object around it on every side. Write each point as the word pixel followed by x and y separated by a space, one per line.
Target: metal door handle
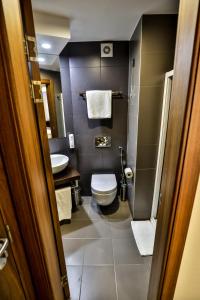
pixel 3 246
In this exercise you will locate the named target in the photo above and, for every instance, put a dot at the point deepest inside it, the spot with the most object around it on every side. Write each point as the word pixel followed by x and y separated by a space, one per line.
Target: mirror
pixel 51 90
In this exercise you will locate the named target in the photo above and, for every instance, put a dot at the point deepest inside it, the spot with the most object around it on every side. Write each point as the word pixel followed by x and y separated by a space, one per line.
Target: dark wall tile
pixel 133 109
pixel 135 54
pixel 115 78
pixel 146 156
pixel 84 54
pixel 144 187
pixel 131 195
pixel 149 115
pixel 154 66
pixel 83 79
pixel 83 125
pixel 64 62
pixel 86 144
pixel 120 55
pixel 79 104
pixel 120 110
pixel 111 160
pixel 165 28
pixel 91 126
pixel 89 163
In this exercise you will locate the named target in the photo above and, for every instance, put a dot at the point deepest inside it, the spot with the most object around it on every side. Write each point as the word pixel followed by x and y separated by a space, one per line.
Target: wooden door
pixel 14 283
pixel 24 160
pixel 34 74
pixel 10 285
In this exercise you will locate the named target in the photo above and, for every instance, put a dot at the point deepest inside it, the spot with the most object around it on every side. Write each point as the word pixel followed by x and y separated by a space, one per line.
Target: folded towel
pixel 64 203
pixel 99 104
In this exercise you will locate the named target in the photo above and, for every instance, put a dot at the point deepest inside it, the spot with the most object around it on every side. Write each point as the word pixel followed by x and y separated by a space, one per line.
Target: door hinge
pixel 64 281
pixel 9 233
pixel 30 48
pixel 36 91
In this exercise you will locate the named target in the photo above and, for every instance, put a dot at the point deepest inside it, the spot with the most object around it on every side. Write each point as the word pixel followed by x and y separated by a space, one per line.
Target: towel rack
pixel 115 94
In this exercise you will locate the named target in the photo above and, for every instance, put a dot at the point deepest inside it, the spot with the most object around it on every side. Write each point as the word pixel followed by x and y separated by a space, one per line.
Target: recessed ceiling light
pixel 46 46
pixel 41 59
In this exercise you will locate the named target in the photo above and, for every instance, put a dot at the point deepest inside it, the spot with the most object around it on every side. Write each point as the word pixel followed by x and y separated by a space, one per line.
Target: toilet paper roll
pixel 128 173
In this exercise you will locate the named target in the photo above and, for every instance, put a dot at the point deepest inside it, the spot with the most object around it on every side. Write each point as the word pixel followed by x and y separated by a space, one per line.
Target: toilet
pixel 104 188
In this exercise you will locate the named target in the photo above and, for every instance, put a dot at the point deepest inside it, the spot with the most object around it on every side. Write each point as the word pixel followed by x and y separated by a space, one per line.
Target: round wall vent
pixel 106 50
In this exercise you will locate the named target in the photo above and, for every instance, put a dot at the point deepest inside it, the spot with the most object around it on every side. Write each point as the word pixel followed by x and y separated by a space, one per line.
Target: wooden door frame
pixel 23 160
pixel 185 67
pixel 52 106
pixel 185 193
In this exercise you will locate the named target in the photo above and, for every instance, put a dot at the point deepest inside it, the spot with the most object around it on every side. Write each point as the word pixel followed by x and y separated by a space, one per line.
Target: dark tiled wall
pixel 157 56
pixel 133 106
pixel 88 71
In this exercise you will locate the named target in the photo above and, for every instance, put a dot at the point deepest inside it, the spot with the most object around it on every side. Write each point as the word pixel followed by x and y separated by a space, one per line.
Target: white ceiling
pixel 57 44
pixel 51 62
pixel 96 20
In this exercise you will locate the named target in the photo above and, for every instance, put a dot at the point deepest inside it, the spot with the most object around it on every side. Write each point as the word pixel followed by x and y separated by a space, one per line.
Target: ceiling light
pixel 41 59
pixel 46 46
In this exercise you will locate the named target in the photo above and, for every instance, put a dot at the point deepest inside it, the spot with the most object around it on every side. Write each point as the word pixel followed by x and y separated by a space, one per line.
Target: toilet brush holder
pixel 123 192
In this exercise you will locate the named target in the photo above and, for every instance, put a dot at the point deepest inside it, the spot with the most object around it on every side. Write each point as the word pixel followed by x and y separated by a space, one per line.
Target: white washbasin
pixel 58 162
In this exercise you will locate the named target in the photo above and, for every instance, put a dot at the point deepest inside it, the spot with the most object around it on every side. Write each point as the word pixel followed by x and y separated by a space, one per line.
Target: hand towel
pixel 64 203
pixel 99 104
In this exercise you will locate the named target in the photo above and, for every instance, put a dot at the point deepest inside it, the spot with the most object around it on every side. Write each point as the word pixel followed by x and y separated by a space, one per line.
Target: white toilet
pixel 104 188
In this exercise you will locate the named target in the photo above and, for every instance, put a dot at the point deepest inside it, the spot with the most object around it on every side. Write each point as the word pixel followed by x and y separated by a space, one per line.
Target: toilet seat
pixel 103 183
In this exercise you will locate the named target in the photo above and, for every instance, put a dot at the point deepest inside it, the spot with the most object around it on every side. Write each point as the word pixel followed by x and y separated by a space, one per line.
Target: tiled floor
pixel 102 259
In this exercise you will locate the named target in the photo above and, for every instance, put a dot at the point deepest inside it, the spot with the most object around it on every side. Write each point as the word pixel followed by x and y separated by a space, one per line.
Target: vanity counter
pixel 66 176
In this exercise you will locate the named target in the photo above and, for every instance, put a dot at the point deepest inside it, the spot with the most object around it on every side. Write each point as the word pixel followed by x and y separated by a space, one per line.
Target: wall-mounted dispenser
pixel 71 141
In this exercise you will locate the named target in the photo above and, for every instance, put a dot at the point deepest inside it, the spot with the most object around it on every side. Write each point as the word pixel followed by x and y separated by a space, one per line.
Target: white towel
pixel 64 203
pixel 99 104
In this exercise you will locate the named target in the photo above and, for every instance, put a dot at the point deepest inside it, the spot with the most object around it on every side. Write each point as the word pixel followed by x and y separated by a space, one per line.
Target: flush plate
pixel 103 141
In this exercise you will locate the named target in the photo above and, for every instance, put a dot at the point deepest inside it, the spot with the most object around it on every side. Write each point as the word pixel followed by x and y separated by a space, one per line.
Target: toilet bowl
pixel 104 188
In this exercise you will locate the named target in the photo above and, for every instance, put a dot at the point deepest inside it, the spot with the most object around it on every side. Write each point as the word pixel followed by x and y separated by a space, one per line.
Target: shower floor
pixel 144 234
pixel 103 262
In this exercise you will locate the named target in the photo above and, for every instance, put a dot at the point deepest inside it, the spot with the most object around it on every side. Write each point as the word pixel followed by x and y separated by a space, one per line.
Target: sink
pixel 58 162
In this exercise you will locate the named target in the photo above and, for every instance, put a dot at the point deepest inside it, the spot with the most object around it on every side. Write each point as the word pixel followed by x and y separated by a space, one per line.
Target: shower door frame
pixel 162 141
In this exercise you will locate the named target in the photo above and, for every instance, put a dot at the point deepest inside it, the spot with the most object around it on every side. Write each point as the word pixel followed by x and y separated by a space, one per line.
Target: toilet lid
pixel 103 183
